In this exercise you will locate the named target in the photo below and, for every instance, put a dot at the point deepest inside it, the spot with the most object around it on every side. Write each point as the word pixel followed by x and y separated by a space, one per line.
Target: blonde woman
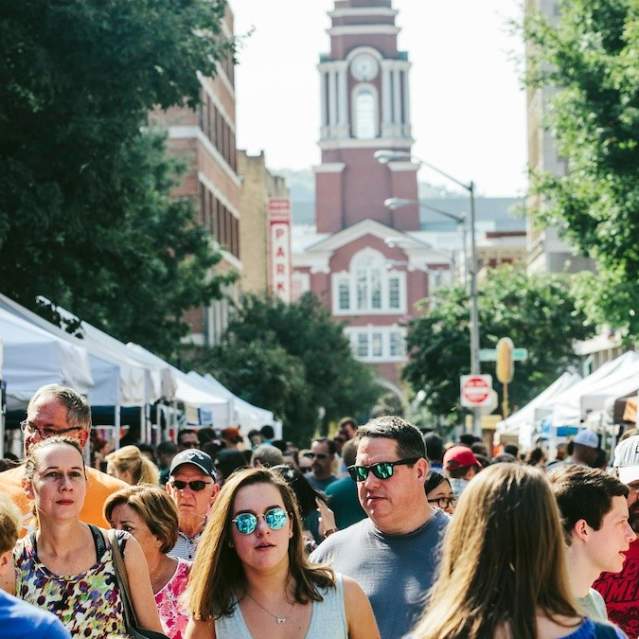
pixel 66 566
pixel 252 580
pixel 503 572
pixel 130 465
pixel 149 514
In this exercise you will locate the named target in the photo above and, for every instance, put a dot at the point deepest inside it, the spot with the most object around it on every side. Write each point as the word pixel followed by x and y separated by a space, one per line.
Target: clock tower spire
pixel 365 107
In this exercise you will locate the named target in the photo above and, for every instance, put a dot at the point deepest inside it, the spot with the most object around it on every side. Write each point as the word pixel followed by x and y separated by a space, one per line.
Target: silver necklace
pixel 278 618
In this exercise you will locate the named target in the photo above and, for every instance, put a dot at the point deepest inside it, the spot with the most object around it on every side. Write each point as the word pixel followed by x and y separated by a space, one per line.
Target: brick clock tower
pixel 366 262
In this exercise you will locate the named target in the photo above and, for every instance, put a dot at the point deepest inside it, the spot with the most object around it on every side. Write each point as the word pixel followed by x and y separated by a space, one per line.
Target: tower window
pixel 365 114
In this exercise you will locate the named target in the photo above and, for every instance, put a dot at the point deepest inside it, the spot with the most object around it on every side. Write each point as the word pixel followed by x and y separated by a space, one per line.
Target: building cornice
pixel 364 29
pixel 329 167
pixel 185 132
pixel 404 166
pixel 357 12
pixel 375 143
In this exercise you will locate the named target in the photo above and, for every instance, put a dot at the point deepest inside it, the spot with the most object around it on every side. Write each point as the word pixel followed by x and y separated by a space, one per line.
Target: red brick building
pixel 364 261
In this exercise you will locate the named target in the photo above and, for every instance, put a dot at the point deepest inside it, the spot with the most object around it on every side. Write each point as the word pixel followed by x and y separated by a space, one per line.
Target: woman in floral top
pixel 149 514
pixel 66 566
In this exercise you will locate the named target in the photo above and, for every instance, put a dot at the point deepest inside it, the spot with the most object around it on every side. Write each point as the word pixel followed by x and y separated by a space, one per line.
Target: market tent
pixel 202 407
pixel 116 381
pixel 34 357
pixel 242 412
pixel 617 378
pixel 523 422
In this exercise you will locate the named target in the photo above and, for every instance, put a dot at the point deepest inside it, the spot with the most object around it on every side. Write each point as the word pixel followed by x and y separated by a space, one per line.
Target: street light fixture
pixel 386 156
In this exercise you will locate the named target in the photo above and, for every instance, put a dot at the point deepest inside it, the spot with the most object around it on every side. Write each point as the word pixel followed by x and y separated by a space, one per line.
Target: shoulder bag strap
pixel 123 580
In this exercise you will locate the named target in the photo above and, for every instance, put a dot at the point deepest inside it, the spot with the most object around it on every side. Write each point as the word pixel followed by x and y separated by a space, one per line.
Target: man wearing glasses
pixel 59 411
pixel 193 489
pixel 322 456
pixel 393 553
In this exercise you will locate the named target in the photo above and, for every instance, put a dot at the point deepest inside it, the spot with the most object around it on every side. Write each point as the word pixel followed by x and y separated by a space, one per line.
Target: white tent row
pixel 116 381
pixel 33 357
pixel 617 378
pixel 522 423
pixel 244 414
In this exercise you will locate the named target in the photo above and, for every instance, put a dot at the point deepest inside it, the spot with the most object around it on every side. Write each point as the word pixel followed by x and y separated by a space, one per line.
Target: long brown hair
pixel 502 561
pixel 217 578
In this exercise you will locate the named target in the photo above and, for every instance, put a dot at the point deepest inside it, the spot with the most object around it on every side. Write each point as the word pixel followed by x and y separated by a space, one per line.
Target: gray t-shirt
pixel 395 571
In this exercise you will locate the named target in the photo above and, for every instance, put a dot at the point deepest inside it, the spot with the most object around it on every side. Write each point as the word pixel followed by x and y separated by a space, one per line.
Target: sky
pixel 467 104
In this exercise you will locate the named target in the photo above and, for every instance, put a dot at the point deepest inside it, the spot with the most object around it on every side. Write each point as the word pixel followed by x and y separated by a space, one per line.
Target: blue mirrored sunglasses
pixel 246 523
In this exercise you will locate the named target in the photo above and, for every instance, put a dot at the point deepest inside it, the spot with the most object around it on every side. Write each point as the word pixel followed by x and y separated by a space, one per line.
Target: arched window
pixel 365 114
pixel 369 287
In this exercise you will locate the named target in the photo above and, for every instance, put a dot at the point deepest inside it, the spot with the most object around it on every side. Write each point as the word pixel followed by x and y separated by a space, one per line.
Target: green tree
pixel 294 360
pixel 85 215
pixel 590 57
pixel 536 312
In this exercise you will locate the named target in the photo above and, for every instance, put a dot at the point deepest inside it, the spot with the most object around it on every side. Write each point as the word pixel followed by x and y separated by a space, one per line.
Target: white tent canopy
pixel 242 412
pixel 34 357
pixel 614 379
pixel 116 381
pixel 522 423
pixel 195 399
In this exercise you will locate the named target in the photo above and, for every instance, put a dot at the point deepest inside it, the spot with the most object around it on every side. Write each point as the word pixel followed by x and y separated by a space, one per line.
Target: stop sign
pixel 475 390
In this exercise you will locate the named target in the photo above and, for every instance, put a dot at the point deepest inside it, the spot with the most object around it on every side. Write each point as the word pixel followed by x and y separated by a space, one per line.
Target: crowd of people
pixel 380 531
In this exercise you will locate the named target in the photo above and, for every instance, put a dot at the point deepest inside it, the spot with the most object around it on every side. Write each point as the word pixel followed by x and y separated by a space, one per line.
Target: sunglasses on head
pixel 197 485
pixel 381 470
pixel 246 523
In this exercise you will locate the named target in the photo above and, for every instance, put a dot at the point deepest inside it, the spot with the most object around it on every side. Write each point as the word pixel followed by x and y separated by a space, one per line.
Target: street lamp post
pixel 386 156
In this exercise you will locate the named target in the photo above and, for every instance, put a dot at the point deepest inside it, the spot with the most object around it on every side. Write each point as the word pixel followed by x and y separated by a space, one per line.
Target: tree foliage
pixel 536 312
pixel 85 214
pixel 590 57
pixel 294 360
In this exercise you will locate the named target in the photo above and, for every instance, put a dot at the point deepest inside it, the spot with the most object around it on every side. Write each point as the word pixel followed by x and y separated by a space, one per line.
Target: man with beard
pixel 621 590
pixel 322 455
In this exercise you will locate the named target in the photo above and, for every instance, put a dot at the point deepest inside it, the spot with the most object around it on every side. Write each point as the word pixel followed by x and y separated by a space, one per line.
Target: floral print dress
pixel 88 604
pixel 172 614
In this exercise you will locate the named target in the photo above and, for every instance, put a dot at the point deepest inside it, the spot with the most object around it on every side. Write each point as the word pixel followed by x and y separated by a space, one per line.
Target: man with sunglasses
pixel 56 410
pixel 193 488
pixel 322 456
pixel 393 553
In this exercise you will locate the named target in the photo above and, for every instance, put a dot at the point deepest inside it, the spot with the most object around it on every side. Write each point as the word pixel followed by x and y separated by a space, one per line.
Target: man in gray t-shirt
pixel 394 553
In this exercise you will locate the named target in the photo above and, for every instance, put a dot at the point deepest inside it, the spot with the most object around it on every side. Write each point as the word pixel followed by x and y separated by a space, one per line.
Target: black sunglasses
pixel 381 470
pixel 197 485
pixel 316 455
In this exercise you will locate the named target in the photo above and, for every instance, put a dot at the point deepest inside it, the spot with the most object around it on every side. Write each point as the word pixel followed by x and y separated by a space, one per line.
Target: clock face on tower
pixel 364 67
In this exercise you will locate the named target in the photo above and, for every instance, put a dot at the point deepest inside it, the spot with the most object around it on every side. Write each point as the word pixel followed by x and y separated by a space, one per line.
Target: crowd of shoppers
pixel 379 531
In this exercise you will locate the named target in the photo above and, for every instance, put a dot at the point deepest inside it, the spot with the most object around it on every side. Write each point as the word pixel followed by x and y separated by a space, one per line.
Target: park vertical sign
pixel 279 217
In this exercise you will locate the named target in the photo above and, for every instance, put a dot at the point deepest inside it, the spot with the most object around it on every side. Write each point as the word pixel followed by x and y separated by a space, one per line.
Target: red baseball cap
pixel 460 457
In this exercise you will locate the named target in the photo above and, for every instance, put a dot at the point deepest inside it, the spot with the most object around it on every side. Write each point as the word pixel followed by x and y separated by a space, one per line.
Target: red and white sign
pixel 476 390
pixel 279 214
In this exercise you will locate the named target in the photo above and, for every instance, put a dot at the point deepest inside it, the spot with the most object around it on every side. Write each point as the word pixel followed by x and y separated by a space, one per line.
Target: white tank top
pixel 328 618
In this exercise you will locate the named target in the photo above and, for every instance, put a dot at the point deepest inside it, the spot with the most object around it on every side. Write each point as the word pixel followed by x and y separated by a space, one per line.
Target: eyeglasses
pixel 381 470
pixel 27 426
pixel 443 502
pixel 316 455
pixel 196 485
pixel 246 523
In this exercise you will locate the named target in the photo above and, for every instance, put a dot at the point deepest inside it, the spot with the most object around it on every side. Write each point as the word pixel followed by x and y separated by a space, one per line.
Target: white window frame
pixel 356 333
pixel 351 276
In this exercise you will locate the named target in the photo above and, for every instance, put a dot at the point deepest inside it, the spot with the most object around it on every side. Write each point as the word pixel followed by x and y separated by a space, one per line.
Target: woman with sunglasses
pixel 439 492
pixel 251 579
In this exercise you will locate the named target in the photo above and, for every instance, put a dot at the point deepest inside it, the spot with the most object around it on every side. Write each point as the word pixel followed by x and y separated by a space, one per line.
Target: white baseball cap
pixel 626 460
pixel 587 438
